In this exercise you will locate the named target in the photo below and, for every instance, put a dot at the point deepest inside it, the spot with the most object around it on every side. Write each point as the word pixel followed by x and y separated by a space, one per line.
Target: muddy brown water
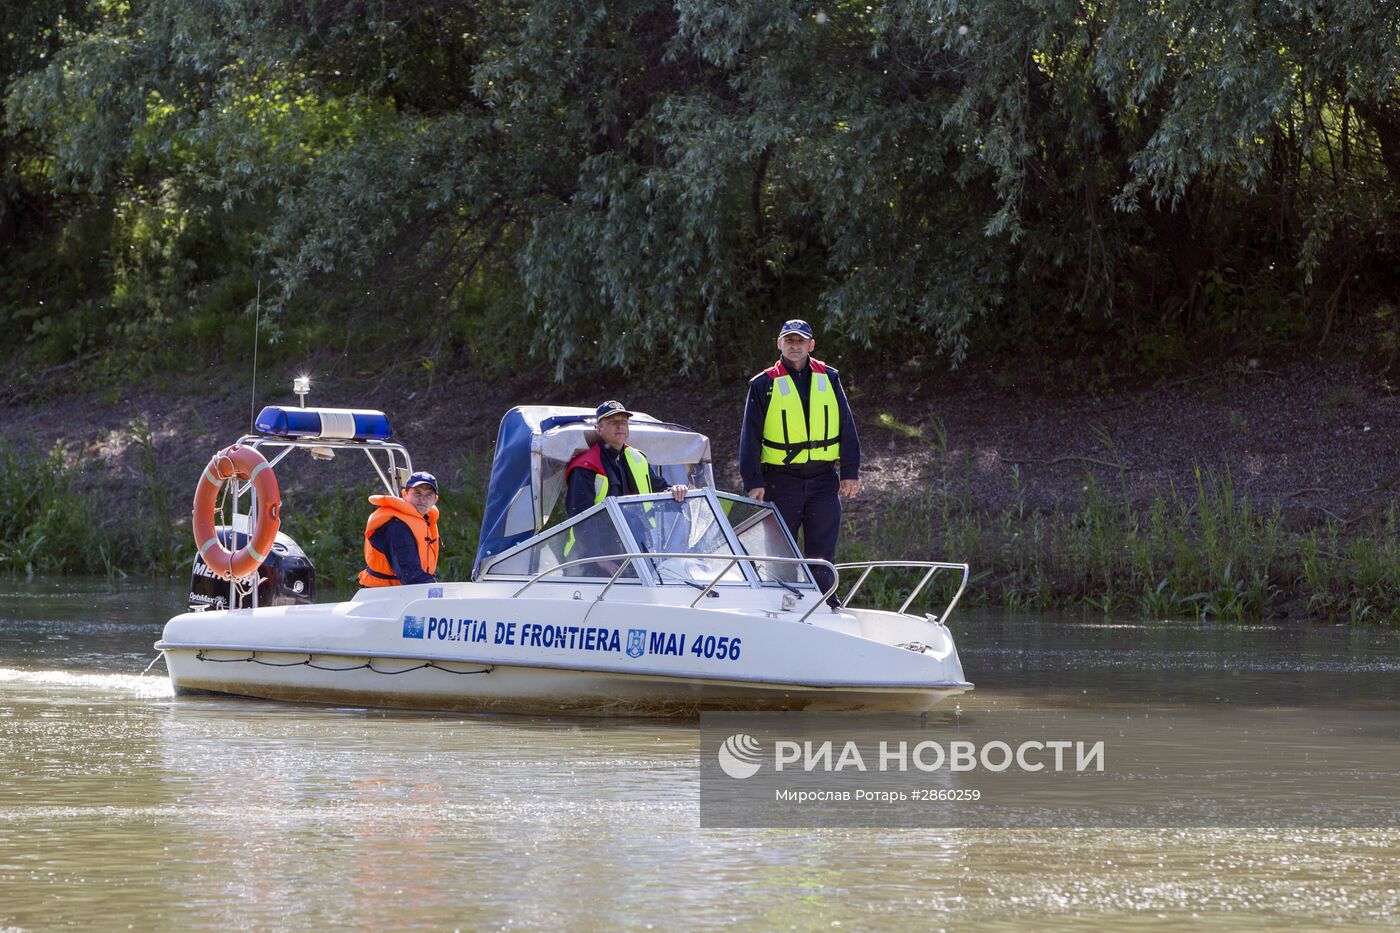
pixel 123 806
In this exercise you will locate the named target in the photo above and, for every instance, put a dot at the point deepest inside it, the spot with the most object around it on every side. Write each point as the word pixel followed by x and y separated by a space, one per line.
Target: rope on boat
pixel 367 666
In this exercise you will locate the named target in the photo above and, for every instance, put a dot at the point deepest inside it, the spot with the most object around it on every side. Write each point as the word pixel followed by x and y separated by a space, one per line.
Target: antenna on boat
pixel 253 394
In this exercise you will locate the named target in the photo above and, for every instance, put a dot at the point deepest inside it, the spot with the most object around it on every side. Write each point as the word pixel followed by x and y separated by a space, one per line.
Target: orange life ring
pixel 249 466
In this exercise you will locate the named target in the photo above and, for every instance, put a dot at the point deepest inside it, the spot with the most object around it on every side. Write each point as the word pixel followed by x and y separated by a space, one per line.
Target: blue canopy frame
pixel 534 445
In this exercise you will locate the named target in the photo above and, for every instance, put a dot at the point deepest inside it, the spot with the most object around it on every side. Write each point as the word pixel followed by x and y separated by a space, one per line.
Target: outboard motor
pixel 286 578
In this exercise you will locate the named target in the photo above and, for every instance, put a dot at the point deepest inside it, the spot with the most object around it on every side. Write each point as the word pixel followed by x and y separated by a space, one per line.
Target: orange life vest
pixel 377 571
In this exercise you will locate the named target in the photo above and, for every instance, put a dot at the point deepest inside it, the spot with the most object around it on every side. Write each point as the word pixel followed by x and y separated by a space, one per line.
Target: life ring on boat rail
pixel 249 466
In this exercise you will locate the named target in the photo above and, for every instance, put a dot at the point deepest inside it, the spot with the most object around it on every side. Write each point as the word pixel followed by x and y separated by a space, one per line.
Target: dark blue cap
pixel 421 479
pixel 611 407
pixel 797 327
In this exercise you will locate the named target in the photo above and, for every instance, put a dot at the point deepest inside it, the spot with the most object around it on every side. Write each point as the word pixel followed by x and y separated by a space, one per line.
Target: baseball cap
pixel 421 478
pixel 612 407
pixel 796 327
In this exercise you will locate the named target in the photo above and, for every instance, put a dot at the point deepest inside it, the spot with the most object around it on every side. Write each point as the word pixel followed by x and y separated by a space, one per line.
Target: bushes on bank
pixel 1205 552
pixel 47 519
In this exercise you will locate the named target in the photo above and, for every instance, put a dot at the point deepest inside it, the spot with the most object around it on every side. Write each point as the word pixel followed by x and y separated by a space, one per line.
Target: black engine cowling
pixel 286 578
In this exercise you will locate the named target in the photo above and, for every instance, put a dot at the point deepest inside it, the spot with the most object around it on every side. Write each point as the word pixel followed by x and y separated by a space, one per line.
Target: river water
pixel 122 806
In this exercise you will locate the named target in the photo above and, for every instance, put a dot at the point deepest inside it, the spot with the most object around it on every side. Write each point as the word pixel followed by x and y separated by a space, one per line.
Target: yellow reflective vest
pixel 592 460
pixel 792 436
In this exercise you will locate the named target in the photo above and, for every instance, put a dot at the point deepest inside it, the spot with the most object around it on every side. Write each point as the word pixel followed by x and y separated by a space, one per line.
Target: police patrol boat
pixel 641 605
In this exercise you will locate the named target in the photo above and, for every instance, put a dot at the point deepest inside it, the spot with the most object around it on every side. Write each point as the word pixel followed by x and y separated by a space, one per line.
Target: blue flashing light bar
pixel 357 424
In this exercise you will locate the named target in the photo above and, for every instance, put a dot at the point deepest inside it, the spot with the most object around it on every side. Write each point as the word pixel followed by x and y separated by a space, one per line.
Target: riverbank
pixel 1242 488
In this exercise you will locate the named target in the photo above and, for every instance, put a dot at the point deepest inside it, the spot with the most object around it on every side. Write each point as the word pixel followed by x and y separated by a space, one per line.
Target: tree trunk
pixel 1384 118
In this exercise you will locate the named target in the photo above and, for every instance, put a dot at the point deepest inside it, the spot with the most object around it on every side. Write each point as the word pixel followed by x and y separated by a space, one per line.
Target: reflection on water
pixel 123 805
pixel 136 685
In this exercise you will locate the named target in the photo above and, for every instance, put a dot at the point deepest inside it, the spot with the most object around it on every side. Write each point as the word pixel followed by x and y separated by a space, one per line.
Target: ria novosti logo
pixel 740 756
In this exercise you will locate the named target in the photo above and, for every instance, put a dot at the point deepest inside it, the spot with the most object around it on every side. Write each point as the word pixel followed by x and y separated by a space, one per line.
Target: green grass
pixel 47 516
pixel 1201 552
pixel 52 518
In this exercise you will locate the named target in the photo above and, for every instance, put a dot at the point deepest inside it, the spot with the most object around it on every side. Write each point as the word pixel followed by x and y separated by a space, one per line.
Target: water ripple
pixel 132 685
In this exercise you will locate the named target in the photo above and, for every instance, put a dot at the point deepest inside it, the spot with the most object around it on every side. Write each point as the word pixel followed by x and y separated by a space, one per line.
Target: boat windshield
pixel 665 526
pixel 761 534
pixel 695 530
pixel 592 535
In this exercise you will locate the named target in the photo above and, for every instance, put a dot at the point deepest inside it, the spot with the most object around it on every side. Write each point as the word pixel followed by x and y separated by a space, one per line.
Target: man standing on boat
pixel 610 467
pixel 797 429
pixel 401 536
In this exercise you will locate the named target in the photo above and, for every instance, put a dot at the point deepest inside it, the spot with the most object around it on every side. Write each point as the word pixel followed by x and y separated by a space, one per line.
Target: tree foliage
pixel 656 177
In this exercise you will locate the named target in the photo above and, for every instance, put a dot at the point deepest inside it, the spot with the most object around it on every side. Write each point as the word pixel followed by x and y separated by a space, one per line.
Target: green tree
pixel 31 32
pixel 673 177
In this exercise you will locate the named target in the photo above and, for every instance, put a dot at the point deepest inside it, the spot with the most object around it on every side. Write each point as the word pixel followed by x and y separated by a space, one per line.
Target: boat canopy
pixel 534 445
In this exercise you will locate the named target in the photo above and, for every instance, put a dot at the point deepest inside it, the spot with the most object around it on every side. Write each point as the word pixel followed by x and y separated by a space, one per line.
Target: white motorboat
pixel 639 606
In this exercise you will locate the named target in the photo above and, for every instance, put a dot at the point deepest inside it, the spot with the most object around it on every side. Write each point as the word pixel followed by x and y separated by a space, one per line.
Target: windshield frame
pixel 618 509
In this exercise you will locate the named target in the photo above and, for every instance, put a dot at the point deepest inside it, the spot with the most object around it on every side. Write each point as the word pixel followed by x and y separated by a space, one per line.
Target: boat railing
pixel 321 448
pixel 933 567
pixel 391 474
pixel 625 560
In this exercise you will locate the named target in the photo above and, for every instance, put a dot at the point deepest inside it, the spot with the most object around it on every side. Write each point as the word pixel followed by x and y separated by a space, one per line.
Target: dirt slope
pixel 1320 438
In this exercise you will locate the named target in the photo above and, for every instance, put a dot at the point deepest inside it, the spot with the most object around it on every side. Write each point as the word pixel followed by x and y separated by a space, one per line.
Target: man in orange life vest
pixel 401 536
pixel 797 428
pixel 610 467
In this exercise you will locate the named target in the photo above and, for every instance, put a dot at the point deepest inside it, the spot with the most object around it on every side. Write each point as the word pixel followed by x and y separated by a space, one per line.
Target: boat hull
pixel 459 687
pixel 474 647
